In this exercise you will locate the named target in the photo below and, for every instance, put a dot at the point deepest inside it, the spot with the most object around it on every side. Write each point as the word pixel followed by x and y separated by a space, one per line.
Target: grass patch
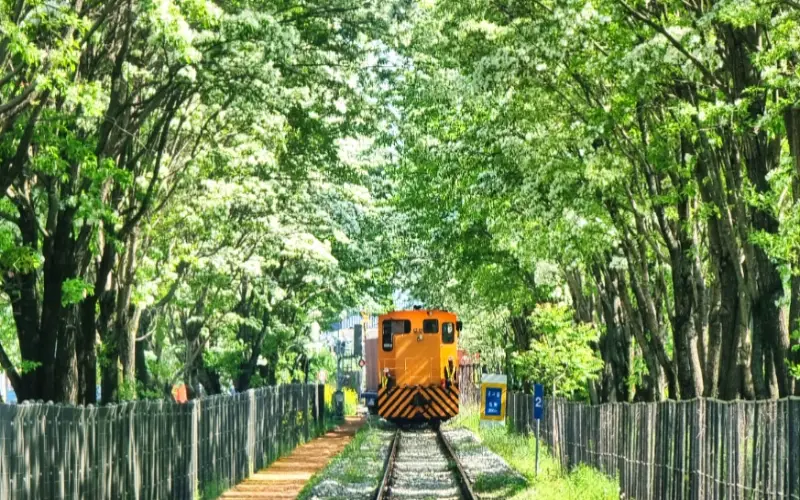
pixel 508 485
pixel 552 482
pixel 212 491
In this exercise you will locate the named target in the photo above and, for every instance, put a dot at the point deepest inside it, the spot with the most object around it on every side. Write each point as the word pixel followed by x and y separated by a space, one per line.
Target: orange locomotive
pixel 417 355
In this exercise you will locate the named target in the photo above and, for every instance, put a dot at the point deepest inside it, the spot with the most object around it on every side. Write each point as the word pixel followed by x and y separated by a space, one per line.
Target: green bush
pixel 560 353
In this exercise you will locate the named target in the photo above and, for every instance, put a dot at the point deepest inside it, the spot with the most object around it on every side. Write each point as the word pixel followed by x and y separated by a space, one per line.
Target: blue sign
pixel 538 401
pixel 494 400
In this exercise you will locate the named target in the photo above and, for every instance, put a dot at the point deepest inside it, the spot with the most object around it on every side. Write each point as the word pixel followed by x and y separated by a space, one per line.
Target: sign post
pixel 493 399
pixel 538 410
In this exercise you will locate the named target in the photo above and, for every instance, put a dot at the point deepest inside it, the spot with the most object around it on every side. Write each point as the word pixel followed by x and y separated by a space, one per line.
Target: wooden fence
pixel 469 383
pixel 151 449
pixel 697 449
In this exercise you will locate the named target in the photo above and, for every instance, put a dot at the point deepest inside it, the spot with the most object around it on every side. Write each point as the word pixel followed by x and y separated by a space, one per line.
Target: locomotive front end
pixel 416 363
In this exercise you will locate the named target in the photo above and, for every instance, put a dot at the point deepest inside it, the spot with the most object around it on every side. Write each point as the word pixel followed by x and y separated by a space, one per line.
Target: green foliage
pixel 212 490
pixel 221 176
pixel 595 139
pixel 127 391
pixel 199 170
pixel 73 291
pixel 322 360
pixel 561 355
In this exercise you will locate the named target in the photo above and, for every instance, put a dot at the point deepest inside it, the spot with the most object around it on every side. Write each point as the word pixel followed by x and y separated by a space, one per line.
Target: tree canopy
pixel 635 159
pixel 606 191
pixel 183 188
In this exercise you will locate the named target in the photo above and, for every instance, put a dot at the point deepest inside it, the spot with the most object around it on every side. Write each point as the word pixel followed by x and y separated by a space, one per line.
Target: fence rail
pixel 151 449
pixel 693 449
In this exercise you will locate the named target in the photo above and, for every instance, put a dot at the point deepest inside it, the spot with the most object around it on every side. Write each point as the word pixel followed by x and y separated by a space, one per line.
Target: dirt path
pixel 286 477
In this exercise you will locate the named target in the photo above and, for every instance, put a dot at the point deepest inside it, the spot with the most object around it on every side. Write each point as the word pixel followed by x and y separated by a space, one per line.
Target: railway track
pixel 421 465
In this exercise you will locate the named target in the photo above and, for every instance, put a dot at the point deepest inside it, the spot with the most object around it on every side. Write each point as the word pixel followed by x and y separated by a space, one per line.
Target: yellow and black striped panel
pixel 418 402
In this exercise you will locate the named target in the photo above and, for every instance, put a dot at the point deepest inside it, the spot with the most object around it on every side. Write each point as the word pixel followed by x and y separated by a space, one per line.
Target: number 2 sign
pixel 538 401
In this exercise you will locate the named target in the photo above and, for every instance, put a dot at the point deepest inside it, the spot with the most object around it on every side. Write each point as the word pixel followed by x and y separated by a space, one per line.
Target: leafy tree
pixel 113 114
pixel 560 357
pixel 644 148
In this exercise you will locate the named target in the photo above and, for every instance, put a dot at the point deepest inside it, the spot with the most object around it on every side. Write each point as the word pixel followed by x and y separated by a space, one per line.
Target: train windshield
pixel 392 328
pixel 430 326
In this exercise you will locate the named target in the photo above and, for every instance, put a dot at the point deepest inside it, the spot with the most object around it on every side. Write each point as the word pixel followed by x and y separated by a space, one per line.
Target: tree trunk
pixel 712 362
pixel 731 378
pixel 791 119
pixel 59 323
pixel 639 276
pixel 594 397
pixel 248 368
pixel 105 289
pixel 684 330
pixel 794 327
pixel 770 377
pixel 142 373
pixel 87 353
pixel 655 378
pixel 581 301
pixel 701 306
pixel 761 154
pixel 757 364
pixel 127 317
pixel 66 387
pixel 21 289
pixel 769 341
pixel 615 345
pixel 520 325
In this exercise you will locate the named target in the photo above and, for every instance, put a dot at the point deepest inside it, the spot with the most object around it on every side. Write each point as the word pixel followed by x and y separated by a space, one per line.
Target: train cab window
pixel 392 328
pixel 430 326
pixel 448 333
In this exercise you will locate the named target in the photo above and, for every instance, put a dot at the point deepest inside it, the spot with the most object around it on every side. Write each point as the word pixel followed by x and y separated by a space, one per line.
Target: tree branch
pixel 675 43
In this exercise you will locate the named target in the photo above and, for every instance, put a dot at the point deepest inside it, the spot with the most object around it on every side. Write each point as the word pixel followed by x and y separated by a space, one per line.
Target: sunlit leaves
pixel 75 290
pixel 561 356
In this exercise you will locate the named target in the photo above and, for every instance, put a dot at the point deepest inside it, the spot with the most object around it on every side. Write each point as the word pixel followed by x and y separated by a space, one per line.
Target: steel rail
pixel 388 468
pixel 463 480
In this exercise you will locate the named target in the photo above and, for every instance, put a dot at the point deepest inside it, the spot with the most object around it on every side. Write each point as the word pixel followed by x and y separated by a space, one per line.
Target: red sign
pixel 179 393
pixel 361 363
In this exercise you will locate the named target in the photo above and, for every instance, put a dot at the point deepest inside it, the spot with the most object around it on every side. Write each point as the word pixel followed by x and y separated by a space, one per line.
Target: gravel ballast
pixel 421 468
pixel 488 473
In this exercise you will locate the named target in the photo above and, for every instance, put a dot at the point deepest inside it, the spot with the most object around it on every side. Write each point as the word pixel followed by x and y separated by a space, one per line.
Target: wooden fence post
pixel 194 448
pixel 319 402
pixel 251 431
pixel 306 426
